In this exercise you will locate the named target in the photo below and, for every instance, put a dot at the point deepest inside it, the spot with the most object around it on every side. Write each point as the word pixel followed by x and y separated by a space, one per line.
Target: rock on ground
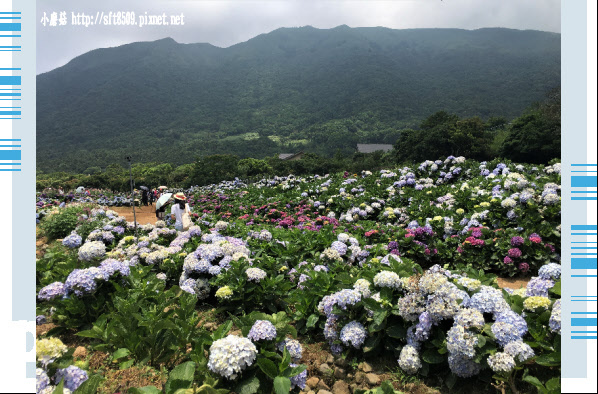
pixel 372 379
pixel 325 369
pixel 340 387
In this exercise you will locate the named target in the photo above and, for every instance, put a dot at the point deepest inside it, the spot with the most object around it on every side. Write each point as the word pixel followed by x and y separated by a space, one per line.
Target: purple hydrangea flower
pixel 423 327
pixel 517 241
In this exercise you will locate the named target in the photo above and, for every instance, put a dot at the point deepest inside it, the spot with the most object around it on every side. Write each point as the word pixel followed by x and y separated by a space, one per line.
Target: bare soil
pixel 143 214
pixel 119 381
pixel 512 283
pixel 42 329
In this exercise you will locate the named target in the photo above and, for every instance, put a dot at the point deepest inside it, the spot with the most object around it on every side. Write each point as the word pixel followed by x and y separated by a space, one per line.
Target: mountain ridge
pixel 291 86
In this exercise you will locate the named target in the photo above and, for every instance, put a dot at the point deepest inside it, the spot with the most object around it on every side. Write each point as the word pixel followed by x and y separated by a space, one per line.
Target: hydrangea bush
pixel 401 261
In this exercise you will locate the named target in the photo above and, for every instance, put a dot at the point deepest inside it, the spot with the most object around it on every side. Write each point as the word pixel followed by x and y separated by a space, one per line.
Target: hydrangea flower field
pixel 397 268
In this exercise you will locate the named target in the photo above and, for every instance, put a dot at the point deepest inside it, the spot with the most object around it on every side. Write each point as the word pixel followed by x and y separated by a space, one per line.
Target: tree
pixel 535 137
pixel 214 168
pixel 252 167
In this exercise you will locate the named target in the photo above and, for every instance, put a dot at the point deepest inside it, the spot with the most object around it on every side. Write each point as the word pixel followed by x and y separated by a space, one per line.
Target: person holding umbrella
pixel 161 204
pixel 179 208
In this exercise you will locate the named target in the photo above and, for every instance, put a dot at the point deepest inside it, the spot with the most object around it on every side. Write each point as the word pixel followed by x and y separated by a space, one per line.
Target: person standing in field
pixel 179 208
pixel 144 197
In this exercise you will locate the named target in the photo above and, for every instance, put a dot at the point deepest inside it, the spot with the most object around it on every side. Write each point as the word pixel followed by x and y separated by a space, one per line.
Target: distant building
pixel 291 156
pixel 371 148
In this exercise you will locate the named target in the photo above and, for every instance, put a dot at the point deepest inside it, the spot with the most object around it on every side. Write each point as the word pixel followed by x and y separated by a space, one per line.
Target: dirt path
pixel 144 215
pixel 512 283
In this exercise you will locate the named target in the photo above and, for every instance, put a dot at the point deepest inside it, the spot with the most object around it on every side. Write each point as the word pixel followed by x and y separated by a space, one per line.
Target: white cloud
pixel 225 23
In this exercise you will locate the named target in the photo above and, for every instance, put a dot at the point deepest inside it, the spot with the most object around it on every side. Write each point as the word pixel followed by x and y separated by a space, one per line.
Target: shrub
pixel 61 223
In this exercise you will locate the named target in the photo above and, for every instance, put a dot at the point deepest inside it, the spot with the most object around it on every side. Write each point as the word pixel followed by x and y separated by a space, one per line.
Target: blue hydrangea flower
pixel 73 377
pixel 519 350
pixel 107 237
pixel 293 346
pixel 342 299
pixel 187 288
pixel 215 270
pixel 514 319
pixel 298 380
pixel 505 333
pixel 550 271
pixel 354 333
pixel 111 266
pixel 340 247
pixel 72 241
pixel 51 291
pixel 461 341
pixel 225 262
pixel 262 329
pixel 488 300
pixel 539 287
pixel 41 380
pixel 194 231
pixel 444 303
pixel 462 366
pixel 83 281
pixel 302 278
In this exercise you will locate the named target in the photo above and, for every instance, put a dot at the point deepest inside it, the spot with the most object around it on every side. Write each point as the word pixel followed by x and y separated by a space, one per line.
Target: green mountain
pixel 292 89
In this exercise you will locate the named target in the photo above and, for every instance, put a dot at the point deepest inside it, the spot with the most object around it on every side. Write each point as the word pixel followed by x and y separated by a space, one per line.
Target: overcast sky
pixel 224 23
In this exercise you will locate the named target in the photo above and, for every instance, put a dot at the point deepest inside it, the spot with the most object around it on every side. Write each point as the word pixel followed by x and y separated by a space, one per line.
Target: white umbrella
pixel 163 200
pixel 80 189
